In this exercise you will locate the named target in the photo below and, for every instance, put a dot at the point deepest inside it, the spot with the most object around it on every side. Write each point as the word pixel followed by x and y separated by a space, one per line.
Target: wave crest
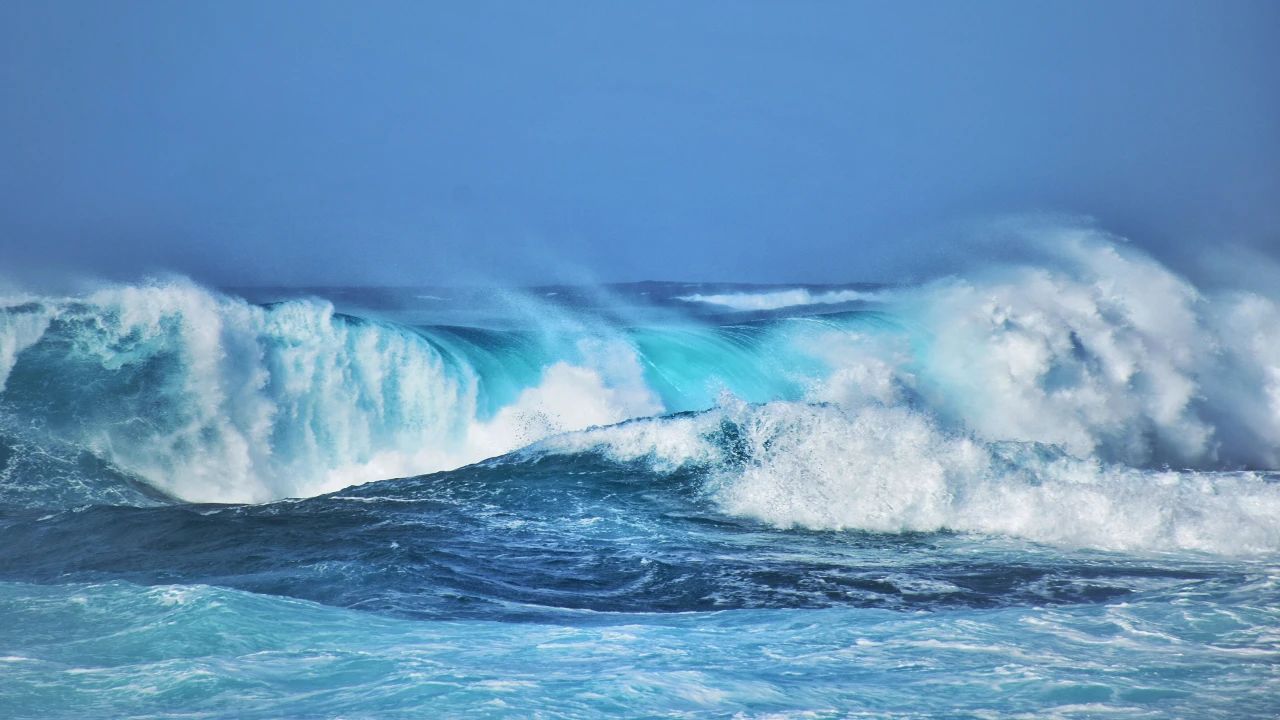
pixel 210 398
pixel 894 470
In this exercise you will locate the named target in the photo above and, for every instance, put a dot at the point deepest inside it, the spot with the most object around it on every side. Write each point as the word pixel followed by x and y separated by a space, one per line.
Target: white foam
pixel 778 299
pixel 1100 350
pixel 892 469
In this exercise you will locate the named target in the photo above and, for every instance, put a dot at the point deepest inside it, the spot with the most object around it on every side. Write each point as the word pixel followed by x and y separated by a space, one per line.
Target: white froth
pixel 778 299
pixel 891 469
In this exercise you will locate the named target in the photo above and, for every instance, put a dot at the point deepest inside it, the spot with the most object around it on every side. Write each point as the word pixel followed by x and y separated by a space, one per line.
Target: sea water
pixel 1037 490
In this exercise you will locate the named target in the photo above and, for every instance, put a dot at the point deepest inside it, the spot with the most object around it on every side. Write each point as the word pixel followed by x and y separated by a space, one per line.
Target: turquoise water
pixel 108 650
pixel 1042 491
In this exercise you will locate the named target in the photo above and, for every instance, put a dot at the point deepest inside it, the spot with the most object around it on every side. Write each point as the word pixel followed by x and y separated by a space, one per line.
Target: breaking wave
pixel 210 398
pixel 893 470
pixel 1043 400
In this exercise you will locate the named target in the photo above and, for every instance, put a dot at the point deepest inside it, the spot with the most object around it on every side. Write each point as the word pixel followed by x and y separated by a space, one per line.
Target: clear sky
pixel 400 143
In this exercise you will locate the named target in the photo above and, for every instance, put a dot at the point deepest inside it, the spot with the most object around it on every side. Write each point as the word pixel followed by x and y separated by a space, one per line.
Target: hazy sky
pixel 307 142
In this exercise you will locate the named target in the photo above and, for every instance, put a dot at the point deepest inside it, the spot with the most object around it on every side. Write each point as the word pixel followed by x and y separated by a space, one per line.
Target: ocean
pixel 1041 489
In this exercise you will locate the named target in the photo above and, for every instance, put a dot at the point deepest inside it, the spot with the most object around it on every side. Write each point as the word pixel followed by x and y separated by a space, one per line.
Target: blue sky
pixel 401 143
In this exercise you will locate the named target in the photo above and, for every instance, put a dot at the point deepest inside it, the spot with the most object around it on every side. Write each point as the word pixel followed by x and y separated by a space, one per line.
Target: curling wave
pixel 1099 352
pixel 210 398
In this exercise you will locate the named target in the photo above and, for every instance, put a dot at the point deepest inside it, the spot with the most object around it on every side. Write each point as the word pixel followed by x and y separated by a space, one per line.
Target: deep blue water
pixel 1018 493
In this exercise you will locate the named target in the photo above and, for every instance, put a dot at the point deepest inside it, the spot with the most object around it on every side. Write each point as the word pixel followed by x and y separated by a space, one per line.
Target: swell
pixel 1201 653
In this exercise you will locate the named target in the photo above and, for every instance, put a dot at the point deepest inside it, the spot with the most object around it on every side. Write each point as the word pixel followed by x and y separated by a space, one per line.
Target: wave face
pixel 1054 480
